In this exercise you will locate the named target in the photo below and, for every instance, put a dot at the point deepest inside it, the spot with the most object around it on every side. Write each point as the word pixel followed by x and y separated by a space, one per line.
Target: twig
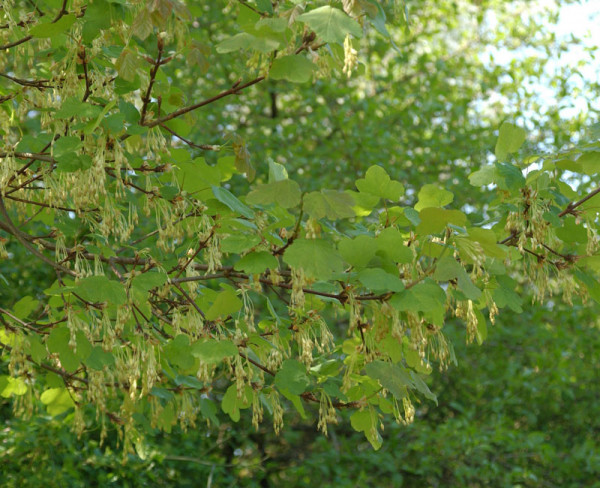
pixel 234 90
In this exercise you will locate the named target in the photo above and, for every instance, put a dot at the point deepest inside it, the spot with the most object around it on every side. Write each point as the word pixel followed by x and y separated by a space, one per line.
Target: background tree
pixel 157 296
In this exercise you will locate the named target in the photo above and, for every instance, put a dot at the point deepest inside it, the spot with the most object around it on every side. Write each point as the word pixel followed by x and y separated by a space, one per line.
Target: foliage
pixel 171 292
pixel 519 410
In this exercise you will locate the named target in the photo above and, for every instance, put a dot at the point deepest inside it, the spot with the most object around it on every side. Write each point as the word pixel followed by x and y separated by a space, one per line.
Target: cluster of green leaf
pixel 520 410
pixel 173 294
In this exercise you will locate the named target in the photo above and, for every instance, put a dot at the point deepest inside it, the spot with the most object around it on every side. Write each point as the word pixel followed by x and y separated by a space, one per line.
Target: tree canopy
pixel 217 210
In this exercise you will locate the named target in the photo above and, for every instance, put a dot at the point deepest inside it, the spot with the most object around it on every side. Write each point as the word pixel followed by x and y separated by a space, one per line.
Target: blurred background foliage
pixel 520 410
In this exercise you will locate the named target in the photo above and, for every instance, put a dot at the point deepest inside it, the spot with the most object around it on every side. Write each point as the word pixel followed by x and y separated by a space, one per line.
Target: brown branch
pixel 572 206
pixel 21 322
pixel 82 56
pixel 190 301
pixel 569 209
pixel 46 205
pixel 27 155
pixel 153 71
pixel 12 229
pixel 61 372
pixel 296 231
pixel 205 147
pixel 234 90
pixel 41 84
pixel 61 13
pixel 257 364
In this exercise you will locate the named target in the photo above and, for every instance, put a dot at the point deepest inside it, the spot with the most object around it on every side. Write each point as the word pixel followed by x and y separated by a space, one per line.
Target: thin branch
pixel 153 71
pixel 205 147
pixel 61 13
pixel 234 90
pixel 190 301
pixel 296 231
pixel 11 228
pixel 83 58
pixel 28 155
pixel 572 206
pixel 41 84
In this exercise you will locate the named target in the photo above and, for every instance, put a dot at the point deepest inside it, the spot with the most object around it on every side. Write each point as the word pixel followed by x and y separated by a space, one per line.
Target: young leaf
pixel 378 183
pixel 226 197
pixel 510 139
pixel 330 204
pixel 331 24
pixel 295 68
pixel 316 257
pixel 432 196
pixel 292 377
pixel 285 192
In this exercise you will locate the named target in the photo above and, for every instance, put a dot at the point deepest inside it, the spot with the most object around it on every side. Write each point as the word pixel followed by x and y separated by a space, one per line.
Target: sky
pixel 582 19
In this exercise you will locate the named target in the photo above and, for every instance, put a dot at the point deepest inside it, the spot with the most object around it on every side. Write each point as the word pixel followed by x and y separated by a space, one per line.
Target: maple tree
pixel 170 292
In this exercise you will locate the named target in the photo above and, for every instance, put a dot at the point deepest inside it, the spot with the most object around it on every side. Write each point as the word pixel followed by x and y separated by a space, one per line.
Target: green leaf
pixel 510 139
pixel 99 358
pixel 208 409
pixel 392 377
pixel 331 24
pixel 481 332
pixel 226 303
pixel 57 400
pixel 127 64
pixel 265 6
pixel 142 24
pixel 366 421
pixel 509 177
pixel 36 348
pixel 24 307
pixel 292 377
pixel 488 241
pixel 571 231
pixel 149 280
pixel 58 342
pixel 239 243
pixel 316 257
pixel 330 204
pixel 483 177
pixel 391 243
pixel 72 107
pixel 226 197
pixel 179 352
pixel 435 220
pixel 212 351
pixel 432 196
pixel 358 251
pixel 10 386
pixel 243 40
pixel 295 68
pixel 286 193
pixel 196 176
pixel 447 268
pixel 421 387
pixel 423 297
pixel 590 162
pixel 100 289
pixel 505 295
pixel 231 404
pixel 380 280
pixel 53 29
pixel 69 163
pixel 256 262
pixel 296 401
pixel 277 172
pixel 378 183
pixel 65 145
